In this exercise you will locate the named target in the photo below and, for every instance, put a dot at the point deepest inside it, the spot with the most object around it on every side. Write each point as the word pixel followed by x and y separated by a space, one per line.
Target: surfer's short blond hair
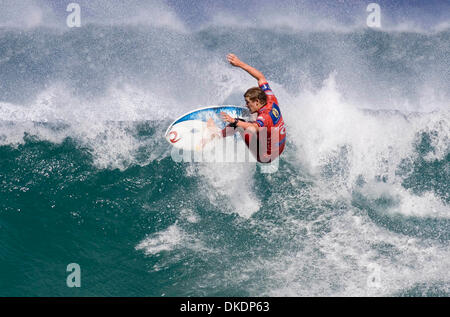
pixel 256 93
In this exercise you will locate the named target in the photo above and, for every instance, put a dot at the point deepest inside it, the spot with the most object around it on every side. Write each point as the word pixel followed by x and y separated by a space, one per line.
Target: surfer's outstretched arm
pixel 235 61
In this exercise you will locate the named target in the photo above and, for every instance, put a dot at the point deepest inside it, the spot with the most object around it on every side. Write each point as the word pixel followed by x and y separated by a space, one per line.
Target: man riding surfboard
pixel 265 137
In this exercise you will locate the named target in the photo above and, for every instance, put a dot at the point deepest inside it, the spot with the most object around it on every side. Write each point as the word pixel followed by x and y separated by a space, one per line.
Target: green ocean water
pixel 67 210
pixel 359 205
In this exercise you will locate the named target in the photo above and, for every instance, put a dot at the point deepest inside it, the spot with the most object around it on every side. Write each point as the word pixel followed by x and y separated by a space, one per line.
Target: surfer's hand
pixel 234 60
pixel 226 117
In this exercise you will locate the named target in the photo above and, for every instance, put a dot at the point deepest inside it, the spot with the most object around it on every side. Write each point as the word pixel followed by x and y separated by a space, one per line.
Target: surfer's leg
pixel 251 141
pixel 275 153
pixel 227 131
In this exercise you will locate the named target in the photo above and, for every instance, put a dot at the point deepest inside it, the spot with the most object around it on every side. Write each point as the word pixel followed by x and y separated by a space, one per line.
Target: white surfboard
pixel 190 131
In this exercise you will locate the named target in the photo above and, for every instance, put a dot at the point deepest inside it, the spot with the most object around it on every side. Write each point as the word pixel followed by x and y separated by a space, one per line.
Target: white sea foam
pixel 355 258
pixel 106 126
pixel 170 239
pixel 341 144
pixel 406 203
pixel 229 186
pixel 328 130
pixel 189 215
pixel 165 240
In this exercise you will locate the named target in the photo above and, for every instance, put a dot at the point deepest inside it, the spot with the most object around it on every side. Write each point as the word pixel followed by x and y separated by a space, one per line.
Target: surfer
pixel 265 137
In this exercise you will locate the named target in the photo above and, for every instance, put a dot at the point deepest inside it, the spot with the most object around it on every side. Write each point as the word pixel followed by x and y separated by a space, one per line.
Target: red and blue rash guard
pixel 269 116
pixel 270 121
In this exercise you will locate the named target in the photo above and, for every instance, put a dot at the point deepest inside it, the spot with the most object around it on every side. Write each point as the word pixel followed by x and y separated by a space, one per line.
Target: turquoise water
pixel 359 205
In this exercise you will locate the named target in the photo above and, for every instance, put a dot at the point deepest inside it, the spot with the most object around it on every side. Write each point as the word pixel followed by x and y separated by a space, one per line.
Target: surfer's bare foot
pixel 210 124
pixel 213 132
